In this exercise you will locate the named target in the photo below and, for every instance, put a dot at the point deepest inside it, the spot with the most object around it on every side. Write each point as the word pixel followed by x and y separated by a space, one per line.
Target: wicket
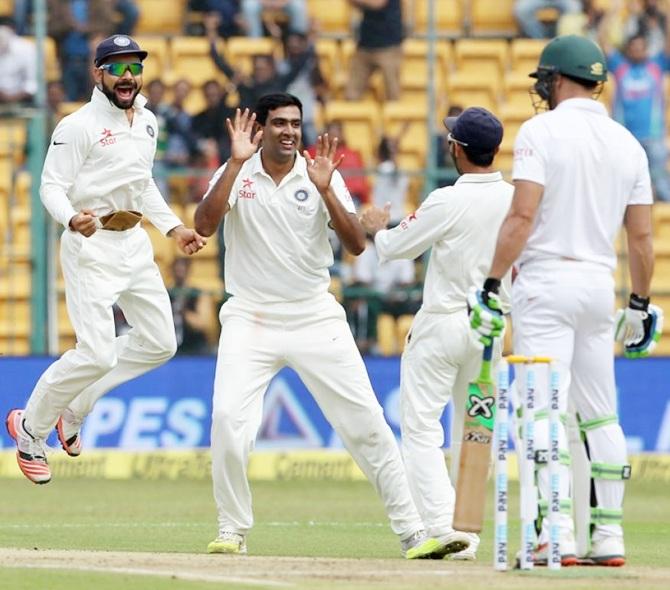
pixel 528 490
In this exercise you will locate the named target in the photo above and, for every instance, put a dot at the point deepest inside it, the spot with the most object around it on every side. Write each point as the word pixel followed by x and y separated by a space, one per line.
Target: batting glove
pixel 485 312
pixel 639 327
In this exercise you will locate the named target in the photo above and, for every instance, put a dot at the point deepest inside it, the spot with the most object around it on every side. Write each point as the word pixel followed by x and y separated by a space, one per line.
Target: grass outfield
pixel 296 522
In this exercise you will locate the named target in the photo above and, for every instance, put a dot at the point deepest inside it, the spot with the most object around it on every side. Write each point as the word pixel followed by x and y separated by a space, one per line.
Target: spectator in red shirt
pixel 352 167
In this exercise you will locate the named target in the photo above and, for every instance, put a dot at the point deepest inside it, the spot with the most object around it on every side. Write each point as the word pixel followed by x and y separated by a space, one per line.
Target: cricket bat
pixel 480 410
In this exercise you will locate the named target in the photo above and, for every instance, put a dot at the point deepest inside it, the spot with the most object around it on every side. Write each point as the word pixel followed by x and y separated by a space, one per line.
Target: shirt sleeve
pixel 342 193
pixel 157 210
pixel 642 193
pixel 418 231
pixel 233 193
pixel 529 158
pixel 69 148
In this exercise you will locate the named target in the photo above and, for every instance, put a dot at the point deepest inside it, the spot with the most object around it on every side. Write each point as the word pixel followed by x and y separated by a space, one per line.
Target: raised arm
pixel 214 205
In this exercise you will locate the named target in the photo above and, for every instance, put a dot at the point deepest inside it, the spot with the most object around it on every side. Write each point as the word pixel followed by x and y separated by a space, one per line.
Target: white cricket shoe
pixel 418 545
pixel 567 546
pixel 608 551
pixel 469 554
pixel 228 542
pixel 451 542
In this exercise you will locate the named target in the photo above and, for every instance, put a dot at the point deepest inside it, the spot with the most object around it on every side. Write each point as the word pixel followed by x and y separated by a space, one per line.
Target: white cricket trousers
pixel 314 339
pixel 107 268
pixel 565 310
pixel 441 357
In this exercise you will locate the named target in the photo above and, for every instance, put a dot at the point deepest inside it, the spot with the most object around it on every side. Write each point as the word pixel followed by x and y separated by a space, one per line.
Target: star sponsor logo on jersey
pixel 247 191
pixel 107 137
pixel 523 152
pixel 404 224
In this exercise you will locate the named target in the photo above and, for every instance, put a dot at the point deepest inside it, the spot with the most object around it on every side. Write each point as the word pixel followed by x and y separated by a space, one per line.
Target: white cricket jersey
pixel 591 168
pixel 97 160
pixel 461 223
pixel 277 247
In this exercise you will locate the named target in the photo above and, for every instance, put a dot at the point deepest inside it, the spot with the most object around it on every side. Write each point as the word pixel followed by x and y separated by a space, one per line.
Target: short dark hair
pixel 270 102
pixel 479 159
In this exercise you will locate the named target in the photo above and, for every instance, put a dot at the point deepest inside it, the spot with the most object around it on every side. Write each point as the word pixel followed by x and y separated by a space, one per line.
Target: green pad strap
pixel 566 507
pixel 587 425
pixel 544 415
pixel 542 457
pixel 610 471
pixel 606 516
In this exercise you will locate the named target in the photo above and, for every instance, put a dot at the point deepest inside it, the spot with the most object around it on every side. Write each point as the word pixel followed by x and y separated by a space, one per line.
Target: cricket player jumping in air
pixel 578 176
pixel 97 183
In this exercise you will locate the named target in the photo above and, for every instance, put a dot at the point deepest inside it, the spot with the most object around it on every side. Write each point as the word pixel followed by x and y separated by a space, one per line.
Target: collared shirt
pixel 277 247
pixel 18 64
pixel 461 223
pixel 591 168
pixel 98 160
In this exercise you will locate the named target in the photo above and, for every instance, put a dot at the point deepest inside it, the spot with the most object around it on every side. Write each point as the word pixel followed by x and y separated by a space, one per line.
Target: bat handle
pixel 488 351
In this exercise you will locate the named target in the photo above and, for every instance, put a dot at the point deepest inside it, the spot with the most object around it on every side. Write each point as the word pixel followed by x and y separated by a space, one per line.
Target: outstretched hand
pixel 242 146
pixel 320 169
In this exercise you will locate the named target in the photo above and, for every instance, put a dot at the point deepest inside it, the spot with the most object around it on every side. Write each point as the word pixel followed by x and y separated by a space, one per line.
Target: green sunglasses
pixel 119 68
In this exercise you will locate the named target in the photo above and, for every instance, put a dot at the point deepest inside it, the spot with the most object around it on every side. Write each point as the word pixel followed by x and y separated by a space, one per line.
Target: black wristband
pixel 638 303
pixel 492 285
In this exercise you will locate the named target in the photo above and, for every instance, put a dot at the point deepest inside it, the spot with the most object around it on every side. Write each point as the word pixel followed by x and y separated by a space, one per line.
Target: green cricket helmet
pixel 574 56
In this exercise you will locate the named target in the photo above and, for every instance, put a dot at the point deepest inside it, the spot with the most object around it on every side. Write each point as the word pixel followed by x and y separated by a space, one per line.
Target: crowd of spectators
pixel 637 49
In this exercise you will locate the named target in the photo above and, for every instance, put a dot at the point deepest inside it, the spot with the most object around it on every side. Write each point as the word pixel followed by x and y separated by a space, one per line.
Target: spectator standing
pixel 191 311
pixel 639 102
pixel 210 123
pixel 390 183
pixel 352 167
pixel 180 139
pixel 229 22
pixel 526 11
pixel 379 47
pixel 71 23
pixel 129 14
pixel 55 99
pixel 18 64
pixel 161 109
pixel 645 18
pixel 295 10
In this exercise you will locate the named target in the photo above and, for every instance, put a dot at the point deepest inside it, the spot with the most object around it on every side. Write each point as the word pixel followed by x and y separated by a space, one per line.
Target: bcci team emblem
pixel 122 41
pixel 150 131
pixel 597 69
pixel 301 195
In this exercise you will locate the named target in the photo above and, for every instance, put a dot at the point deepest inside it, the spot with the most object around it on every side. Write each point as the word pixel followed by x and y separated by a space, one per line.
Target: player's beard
pixel 111 94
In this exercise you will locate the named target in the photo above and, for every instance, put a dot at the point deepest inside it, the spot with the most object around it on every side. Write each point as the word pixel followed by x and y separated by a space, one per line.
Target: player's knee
pixel 105 359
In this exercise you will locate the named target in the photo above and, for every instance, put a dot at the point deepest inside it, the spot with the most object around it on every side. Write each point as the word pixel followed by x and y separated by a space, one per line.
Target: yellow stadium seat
pixel 414 66
pixel 487 57
pixel 157 61
pixel 161 17
pixel 51 63
pixel 391 333
pixel 661 218
pixel 448 17
pixel 328 52
pixel 513 116
pixel 661 280
pixel 525 54
pixel 333 17
pixel 470 89
pixel 164 249
pixel 190 59
pixel 516 87
pixel 493 17
pixel 240 50
pixel 361 121
pixel 14 345
pixel 12 138
pixel 407 122
pixel 7 170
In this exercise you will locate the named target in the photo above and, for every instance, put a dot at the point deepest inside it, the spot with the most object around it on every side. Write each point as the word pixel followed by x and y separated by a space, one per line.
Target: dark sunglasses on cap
pixel 119 68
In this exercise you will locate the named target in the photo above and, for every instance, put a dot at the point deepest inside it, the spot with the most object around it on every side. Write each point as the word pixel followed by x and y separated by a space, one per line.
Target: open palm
pixel 320 168
pixel 242 146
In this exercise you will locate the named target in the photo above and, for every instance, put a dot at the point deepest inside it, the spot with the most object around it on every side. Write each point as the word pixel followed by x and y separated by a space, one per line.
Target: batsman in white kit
pixel 579 176
pixel 97 183
pixel 441 357
pixel 277 207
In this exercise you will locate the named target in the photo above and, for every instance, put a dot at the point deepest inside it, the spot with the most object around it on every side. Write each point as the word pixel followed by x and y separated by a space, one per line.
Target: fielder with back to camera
pixel 97 183
pixel 459 223
pixel 277 206
pixel 578 176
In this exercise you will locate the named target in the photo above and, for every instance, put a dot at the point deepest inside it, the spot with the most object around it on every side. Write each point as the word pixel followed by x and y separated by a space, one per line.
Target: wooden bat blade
pixel 475 456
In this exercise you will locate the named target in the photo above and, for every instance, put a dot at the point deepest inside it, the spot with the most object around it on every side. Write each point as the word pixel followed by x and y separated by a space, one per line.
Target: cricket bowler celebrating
pixel 578 176
pixel 97 183
pixel 277 206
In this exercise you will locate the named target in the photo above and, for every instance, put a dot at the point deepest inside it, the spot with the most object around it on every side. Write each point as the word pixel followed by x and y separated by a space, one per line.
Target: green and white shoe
pixel 228 542
pixel 418 546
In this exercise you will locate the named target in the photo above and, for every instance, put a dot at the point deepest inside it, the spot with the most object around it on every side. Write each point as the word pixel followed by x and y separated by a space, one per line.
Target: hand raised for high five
pixel 321 168
pixel 242 146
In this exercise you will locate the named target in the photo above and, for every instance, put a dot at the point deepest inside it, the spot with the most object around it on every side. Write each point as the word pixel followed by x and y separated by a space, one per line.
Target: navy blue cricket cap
pixel 117 45
pixel 480 129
